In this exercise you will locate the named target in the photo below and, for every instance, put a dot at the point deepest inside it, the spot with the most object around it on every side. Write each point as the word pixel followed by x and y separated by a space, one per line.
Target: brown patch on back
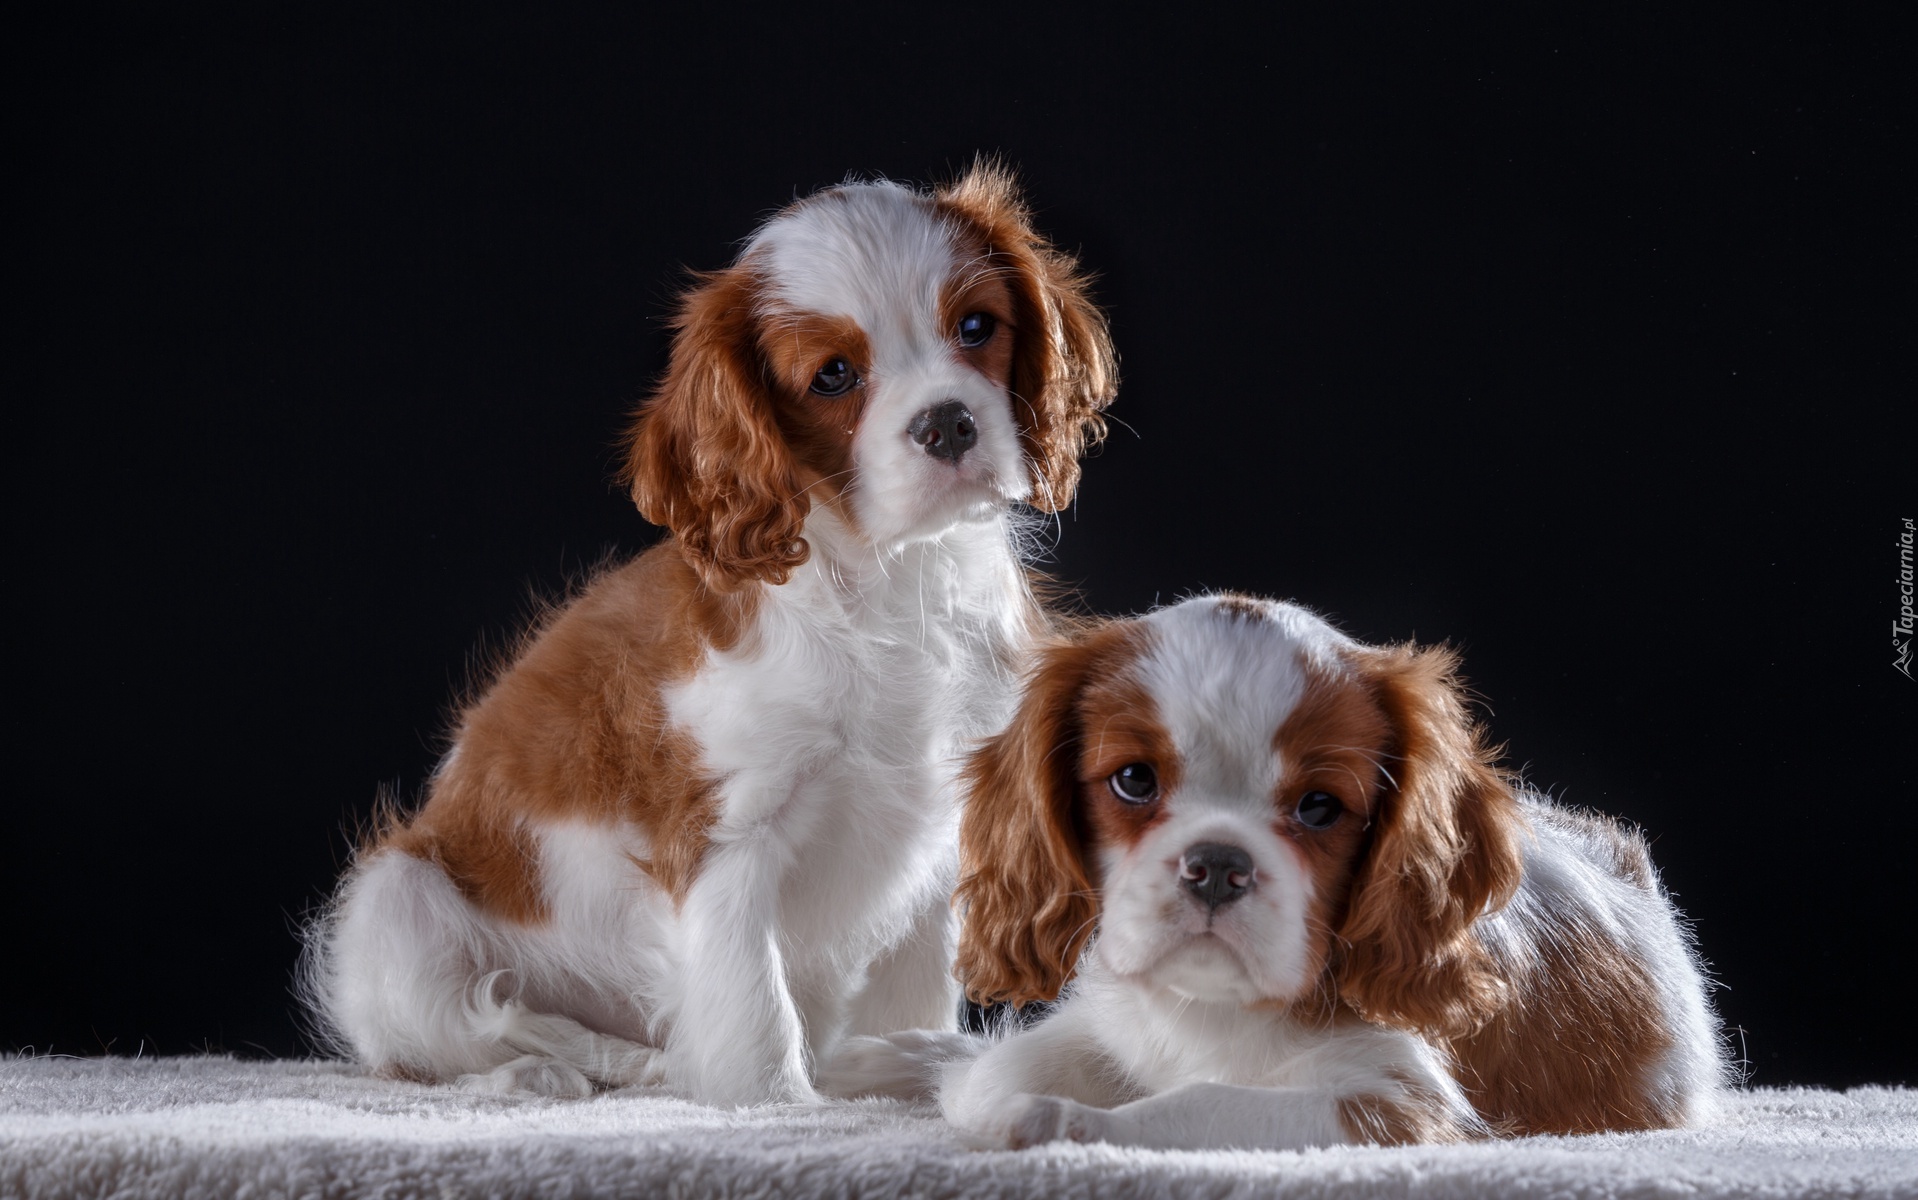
pixel 494 864
pixel 1623 846
pixel 1572 1048
pixel 576 730
pixel 1408 1117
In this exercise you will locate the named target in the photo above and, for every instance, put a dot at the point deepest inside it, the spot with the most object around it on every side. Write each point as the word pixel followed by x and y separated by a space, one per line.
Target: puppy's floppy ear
pixel 1064 369
pixel 705 457
pixel 1444 850
pixel 1027 900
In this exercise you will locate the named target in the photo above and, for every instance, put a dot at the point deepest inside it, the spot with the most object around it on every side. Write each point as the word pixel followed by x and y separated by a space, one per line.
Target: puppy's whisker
pixel 823 479
pixel 1072 939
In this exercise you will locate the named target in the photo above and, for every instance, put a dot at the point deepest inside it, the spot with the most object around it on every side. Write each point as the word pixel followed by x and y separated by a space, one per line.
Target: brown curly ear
pixel 704 455
pixel 1064 370
pixel 1444 850
pixel 1027 900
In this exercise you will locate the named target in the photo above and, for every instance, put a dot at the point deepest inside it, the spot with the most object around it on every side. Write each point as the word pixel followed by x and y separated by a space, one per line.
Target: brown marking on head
pixel 1063 368
pixel 706 456
pixel 978 284
pixel 1026 890
pixel 577 730
pixel 1334 740
pixel 1444 848
pixel 1243 608
pixel 1120 725
pixel 819 430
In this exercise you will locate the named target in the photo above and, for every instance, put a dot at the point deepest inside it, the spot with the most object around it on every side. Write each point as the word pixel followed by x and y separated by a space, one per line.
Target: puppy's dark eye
pixel 1135 783
pixel 835 378
pixel 1317 810
pixel 975 328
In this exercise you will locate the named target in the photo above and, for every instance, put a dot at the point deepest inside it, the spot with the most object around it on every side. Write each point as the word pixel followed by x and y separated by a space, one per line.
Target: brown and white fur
pixel 704 824
pixel 1299 906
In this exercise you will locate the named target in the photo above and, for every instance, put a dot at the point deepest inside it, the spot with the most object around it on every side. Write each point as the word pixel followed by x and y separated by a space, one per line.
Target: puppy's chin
pixel 944 505
pixel 1203 968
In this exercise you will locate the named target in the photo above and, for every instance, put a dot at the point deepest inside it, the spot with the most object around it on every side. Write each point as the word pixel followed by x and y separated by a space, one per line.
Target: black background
pixel 1582 346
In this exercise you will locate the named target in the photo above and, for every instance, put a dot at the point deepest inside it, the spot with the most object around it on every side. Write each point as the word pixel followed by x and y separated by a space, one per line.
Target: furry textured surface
pixel 189 1127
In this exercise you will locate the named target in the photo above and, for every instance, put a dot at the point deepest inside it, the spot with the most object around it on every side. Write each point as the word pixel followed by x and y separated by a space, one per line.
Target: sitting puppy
pixel 1321 915
pixel 705 823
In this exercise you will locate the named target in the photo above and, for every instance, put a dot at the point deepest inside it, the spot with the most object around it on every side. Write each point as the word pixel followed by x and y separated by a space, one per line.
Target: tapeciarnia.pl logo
pixel 1901 628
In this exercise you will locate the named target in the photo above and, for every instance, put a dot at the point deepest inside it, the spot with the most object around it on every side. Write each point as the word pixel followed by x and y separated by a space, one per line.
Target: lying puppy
pixel 704 824
pixel 1321 915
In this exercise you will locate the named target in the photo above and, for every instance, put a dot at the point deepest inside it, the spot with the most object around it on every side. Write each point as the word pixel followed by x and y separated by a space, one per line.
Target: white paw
pixel 904 1065
pixel 533 1073
pixel 1035 1120
pixel 628 1064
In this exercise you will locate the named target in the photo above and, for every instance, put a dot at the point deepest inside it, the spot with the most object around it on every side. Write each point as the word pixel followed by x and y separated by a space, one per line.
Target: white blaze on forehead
pixel 1225 679
pixel 876 253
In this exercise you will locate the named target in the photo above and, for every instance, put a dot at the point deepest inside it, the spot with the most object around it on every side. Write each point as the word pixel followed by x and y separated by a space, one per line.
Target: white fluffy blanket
pixel 190 1127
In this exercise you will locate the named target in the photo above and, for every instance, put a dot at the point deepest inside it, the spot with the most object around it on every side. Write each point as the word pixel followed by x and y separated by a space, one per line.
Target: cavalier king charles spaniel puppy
pixel 1299 906
pixel 704 825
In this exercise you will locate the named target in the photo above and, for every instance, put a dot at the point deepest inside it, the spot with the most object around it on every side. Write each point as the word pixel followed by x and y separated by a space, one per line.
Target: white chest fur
pixel 836 729
pixel 837 725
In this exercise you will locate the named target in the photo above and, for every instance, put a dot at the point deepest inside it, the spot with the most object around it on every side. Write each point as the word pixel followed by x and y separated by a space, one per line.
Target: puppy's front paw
pixel 1036 1120
pixel 903 1065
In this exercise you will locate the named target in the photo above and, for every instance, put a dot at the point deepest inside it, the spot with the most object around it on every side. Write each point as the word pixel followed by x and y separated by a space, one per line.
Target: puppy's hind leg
pixel 390 967
pixel 398 971
pixel 557 1056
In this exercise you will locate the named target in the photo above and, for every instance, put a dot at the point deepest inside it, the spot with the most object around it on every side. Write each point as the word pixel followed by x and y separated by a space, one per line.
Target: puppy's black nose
pixel 1216 873
pixel 946 430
